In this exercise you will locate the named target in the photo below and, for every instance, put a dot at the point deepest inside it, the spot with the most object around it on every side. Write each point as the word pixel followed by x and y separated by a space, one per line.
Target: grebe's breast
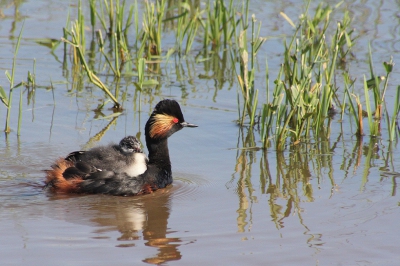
pixel 138 166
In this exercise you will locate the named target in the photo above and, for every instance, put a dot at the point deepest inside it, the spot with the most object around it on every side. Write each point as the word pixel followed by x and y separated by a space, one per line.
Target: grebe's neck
pixel 159 165
pixel 158 152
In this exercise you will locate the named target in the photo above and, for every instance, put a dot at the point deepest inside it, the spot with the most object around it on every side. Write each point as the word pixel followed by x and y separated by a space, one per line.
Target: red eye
pixel 175 120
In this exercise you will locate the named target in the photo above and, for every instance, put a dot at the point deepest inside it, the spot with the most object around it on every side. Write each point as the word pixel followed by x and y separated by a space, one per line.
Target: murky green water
pixel 332 202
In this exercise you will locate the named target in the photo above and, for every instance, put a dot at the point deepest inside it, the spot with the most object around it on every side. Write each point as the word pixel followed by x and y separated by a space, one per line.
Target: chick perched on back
pixel 125 157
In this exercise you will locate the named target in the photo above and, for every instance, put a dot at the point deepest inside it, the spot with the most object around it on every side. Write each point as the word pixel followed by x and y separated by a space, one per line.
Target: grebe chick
pixel 136 160
pixel 123 169
pixel 130 144
pixel 126 157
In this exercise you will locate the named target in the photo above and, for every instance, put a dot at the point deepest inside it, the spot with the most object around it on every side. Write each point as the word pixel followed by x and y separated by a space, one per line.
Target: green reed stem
pixel 11 80
pixel 116 55
pixel 110 16
pixel 392 123
pixel 372 124
pixel 19 113
pixel 92 77
pixel 92 6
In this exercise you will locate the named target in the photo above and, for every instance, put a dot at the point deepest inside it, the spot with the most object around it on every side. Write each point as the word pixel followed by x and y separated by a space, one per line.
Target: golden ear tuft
pixel 162 123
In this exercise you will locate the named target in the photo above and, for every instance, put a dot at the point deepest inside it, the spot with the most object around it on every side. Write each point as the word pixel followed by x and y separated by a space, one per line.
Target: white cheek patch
pixel 139 165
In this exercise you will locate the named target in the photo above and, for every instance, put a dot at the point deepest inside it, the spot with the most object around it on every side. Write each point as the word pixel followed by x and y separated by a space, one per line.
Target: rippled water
pixel 332 202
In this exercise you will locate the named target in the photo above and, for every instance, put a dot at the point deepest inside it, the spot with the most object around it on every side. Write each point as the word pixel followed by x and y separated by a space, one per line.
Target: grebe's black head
pixel 130 144
pixel 166 119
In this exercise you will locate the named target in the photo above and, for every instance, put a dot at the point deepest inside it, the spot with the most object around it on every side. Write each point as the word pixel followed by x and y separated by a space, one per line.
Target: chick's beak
pixel 186 124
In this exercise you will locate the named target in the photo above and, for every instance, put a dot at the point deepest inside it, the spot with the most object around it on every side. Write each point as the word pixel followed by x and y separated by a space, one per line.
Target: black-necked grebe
pixel 123 169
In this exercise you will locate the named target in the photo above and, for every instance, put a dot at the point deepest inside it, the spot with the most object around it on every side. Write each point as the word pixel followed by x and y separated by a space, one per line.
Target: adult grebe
pixel 123 169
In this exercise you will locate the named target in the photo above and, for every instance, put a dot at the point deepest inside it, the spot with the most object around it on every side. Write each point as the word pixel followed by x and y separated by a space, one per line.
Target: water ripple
pixel 187 187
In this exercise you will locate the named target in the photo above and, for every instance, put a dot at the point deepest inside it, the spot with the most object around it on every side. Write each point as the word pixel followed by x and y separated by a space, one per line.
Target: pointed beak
pixel 185 124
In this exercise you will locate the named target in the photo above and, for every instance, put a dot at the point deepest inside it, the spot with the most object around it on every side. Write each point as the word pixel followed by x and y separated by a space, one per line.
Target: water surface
pixel 333 202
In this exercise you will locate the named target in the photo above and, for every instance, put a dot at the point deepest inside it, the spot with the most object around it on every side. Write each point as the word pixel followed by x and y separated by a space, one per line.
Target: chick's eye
pixel 175 120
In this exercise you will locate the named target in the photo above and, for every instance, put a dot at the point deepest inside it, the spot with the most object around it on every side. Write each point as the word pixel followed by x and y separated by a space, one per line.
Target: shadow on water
pixel 136 219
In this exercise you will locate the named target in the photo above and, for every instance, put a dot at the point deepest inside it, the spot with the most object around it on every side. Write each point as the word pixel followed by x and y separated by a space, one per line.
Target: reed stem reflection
pixel 294 176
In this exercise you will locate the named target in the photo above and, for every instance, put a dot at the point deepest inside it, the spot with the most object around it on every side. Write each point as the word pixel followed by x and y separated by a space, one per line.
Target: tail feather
pixel 57 182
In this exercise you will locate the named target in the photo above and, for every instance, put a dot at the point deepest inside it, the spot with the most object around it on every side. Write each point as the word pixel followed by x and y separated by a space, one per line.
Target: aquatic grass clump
pixel 111 16
pixel 305 89
pixel 125 60
pixel 220 25
pixel 304 93
pixel 79 59
pixel 116 24
pixel 246 73
pixel 152 27
pixel 121 59
pixel 374 117
pixel 374 120
pixel 188 19
pixel 306 79
pixel 377 85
